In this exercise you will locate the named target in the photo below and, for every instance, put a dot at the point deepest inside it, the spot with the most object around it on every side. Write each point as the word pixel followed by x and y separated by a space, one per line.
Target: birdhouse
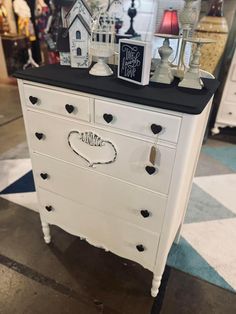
pixel 78 21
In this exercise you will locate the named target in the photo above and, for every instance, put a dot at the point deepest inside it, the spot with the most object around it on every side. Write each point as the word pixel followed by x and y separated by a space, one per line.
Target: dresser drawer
pixel 231 92
pixel 138 120
pixel 228 113
pixel 100 192
pixel 66 104
pixel 101 230
pixel 127 157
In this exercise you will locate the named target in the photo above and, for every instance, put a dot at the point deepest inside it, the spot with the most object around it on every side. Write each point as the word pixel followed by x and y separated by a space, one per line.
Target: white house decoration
pixel 79 35
pixel 78 22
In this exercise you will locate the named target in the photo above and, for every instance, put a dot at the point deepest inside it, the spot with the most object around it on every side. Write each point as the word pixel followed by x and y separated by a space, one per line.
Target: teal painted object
pixel 185 258
pixel 226 155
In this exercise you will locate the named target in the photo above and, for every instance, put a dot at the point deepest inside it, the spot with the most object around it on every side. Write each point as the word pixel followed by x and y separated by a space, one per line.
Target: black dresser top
pixel 170 97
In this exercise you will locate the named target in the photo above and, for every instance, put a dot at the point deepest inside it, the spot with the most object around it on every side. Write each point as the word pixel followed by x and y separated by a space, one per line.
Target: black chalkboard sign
pixel 134 61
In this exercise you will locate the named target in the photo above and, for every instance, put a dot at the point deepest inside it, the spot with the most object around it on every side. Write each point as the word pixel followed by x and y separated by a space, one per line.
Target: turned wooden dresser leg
pixel 156 282
pixel 46 232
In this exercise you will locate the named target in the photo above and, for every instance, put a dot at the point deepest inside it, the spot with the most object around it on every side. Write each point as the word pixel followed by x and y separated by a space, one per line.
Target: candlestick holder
pixel 163 73
pixel 132 12
pixel 188 18
pixel 192 77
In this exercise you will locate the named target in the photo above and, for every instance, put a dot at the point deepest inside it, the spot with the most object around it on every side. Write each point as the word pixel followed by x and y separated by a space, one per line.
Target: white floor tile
pixel 221 187
pixel 13 169
pixel 27 200
pixel 215 241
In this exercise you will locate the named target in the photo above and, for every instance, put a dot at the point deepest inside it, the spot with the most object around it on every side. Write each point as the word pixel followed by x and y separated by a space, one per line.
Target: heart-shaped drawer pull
pixel 39 135
pixel 33 100
pixel 156 128
pixel 140 247
pixel 108 117
pixel 69 108
pixel 44 176
pixel 150 170
pixel 49 208
pixel 145 213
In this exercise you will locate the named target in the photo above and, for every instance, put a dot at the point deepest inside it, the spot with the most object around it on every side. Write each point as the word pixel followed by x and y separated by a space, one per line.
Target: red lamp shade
pixel 169 23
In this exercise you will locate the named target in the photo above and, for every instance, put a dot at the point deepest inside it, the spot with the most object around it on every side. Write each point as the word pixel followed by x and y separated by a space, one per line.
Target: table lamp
pixel 169 23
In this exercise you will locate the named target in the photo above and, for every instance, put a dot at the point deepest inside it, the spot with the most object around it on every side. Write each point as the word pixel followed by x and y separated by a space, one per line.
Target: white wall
pixel 145 20
pixel 149 15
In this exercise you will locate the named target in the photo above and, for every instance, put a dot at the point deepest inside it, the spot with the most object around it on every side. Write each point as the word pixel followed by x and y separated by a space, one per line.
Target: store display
pixel 213 26
pixel 134 61
pixel 116 10
pixel 25 27
pixel 164 71
pixel 15 53
pixel 51 35
pixel 42 15
pixel 4 25
pixel 43 20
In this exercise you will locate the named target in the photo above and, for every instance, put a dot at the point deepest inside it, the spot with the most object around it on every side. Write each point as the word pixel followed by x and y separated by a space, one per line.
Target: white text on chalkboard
pixel 130 61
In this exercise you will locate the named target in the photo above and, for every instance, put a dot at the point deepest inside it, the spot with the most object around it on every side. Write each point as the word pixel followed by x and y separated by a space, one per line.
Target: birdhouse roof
pixel 84 4
pixel 82 20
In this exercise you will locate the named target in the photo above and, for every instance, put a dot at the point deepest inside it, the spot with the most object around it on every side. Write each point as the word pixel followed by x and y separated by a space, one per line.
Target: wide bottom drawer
pixel 100 230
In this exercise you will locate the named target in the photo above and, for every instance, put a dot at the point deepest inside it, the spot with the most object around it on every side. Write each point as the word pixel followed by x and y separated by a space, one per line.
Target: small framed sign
pixel 134 61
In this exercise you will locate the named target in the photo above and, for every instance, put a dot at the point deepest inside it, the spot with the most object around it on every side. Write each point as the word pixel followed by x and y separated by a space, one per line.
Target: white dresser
pixel 91 161
pixel 226 115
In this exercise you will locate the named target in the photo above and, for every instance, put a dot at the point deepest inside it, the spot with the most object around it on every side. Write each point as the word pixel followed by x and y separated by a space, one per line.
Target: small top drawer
pixel 231 92
pixel 227 114
pixel 144 122
pixel 66 104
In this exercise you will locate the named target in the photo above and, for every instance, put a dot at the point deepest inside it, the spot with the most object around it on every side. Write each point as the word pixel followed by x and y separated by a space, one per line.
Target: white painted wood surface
pixel 55 102
pixel 138 120
pixel 133 154
pixel 111 217
pixel 117 197
pixel 101 230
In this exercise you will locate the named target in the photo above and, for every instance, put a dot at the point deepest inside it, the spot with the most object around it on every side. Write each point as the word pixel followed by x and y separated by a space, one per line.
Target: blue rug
pixel 22 185
pixel 185 258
